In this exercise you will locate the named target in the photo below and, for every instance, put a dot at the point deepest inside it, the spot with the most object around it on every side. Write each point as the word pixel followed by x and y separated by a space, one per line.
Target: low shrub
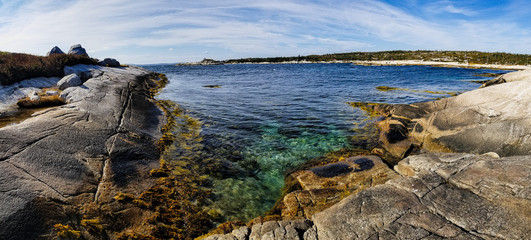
pixel 15 67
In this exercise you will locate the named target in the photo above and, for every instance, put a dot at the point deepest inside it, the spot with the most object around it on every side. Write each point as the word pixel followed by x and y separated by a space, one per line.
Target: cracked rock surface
pixel 436 196
pixel 101 143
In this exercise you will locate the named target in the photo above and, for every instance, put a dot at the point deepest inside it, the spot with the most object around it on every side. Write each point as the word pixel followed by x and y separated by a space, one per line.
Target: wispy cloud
pixel 143 31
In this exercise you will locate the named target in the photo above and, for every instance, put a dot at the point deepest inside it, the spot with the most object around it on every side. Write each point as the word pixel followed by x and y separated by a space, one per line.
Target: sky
pixel 170 31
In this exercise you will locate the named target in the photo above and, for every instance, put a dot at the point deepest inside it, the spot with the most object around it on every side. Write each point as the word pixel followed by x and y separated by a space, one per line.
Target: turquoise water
pixel 264 120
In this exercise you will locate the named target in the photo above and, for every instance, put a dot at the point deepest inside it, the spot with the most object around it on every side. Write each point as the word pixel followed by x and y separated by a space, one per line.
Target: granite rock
pixel 77 50
pixel 109 62
pixel 492 119
pixel 55 50
pixel 462 196
pixel 71 80
pixel 62 160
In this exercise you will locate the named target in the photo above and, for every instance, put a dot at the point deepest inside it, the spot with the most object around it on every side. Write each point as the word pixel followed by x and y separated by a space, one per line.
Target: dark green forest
pixel 472 57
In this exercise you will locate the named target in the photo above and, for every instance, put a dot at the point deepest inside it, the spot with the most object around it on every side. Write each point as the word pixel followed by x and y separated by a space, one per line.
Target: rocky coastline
pixel 463 168
pixel 465 174
pixel 63 166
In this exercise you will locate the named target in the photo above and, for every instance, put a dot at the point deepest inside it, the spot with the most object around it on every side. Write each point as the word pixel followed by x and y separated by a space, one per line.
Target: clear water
pixel 280 115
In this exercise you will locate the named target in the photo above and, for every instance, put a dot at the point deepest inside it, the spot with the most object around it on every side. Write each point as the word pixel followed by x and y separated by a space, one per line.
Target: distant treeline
pixel 15 67
pixel 443 56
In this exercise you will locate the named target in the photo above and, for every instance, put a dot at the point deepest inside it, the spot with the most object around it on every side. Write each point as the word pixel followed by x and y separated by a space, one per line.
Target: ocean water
pixel 260 121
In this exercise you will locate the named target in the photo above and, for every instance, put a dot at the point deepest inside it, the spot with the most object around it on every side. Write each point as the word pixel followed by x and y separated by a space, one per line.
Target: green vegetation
pixel 15 67
pixel 472 57
pixel 387 89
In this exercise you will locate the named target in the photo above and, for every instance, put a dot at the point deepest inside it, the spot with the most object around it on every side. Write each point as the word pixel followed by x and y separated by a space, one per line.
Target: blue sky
pixel 166 31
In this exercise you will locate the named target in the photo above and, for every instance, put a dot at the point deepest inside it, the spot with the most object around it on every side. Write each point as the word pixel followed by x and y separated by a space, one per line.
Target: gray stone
pixel 64 159
pixel 77 50
pixel 71 80
pixel 491 119
pixel 109 62
pixel 440 195
pixel 85 72
pixel 55 50
pixel 51 93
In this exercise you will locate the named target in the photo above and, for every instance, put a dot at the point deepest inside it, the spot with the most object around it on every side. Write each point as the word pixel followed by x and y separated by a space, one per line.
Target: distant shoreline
pixel 383 63
pixel 440 64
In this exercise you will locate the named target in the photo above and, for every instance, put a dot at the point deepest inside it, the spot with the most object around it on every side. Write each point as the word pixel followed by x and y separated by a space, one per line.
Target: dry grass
pixel 15 67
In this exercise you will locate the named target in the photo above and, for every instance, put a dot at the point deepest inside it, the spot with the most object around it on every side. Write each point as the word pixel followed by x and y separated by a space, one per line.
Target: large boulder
pixel 77 50
pixel 109 62
pixel 85 72
pixel 55 50
pixel 71 80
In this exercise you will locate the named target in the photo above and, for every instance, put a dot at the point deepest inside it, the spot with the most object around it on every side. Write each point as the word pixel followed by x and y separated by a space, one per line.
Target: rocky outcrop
pixel 65 163
pixel 77 50
pixel 491 119
pixel 458 196
pixel 524 75
pixel 55 50
pixel 439 196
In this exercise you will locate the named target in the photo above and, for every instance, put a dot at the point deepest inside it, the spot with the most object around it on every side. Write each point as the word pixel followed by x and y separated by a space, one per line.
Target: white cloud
pixel 133 29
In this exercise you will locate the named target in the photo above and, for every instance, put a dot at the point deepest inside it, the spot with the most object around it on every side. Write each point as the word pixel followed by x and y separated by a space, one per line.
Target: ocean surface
pixel 277 116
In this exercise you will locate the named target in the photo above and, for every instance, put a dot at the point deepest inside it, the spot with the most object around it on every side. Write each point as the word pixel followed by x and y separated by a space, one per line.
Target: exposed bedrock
pixel 62 160
pixel 491 119
pixel 435 196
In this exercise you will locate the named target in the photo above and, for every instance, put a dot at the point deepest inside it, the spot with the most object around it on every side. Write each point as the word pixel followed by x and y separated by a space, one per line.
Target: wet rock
pixel 326 185
pixel 77 50
pixel 57 164
pixel 55 50
pixel 71 80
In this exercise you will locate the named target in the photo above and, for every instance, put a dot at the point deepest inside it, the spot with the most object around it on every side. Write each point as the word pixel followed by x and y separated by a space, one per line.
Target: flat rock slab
pixel 101 143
